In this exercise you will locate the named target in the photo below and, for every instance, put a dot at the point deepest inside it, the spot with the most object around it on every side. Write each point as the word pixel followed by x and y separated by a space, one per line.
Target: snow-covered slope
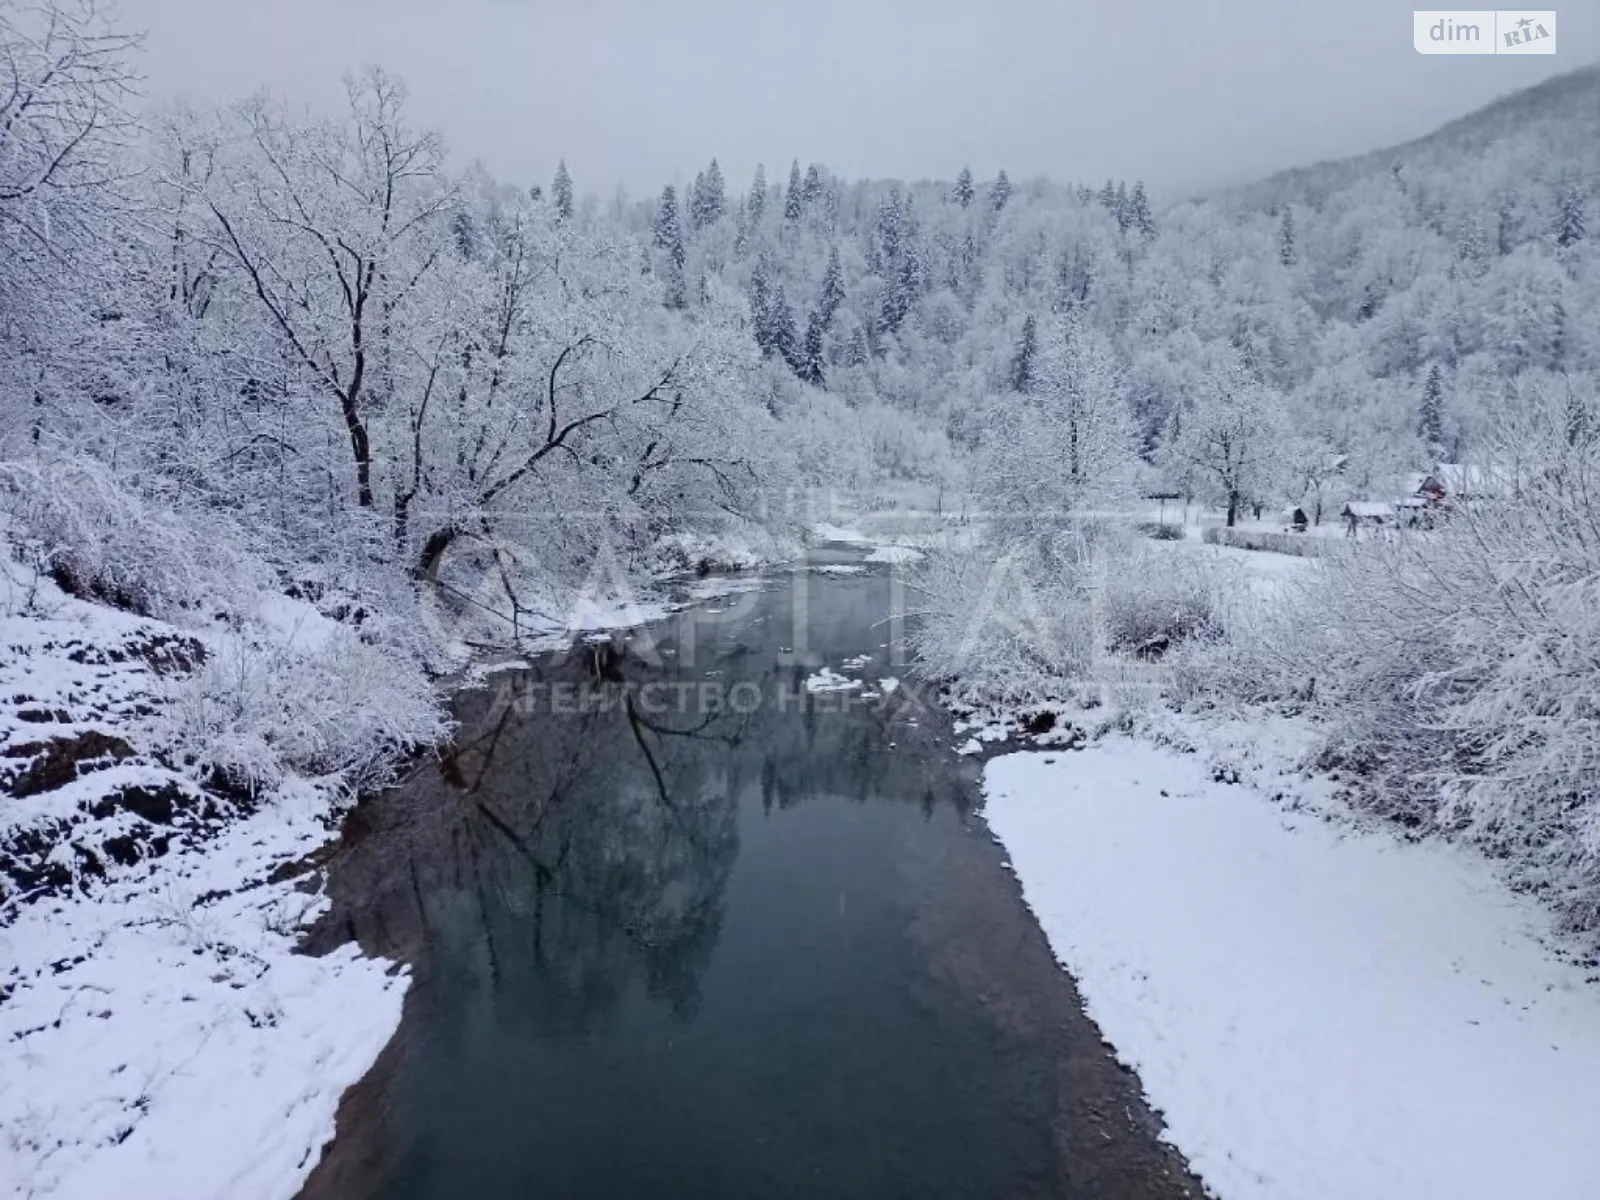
pixel 1320 1013
pixel 159 1034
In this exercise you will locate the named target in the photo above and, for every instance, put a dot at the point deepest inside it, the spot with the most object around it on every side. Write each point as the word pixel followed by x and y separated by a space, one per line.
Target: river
pixel 682 928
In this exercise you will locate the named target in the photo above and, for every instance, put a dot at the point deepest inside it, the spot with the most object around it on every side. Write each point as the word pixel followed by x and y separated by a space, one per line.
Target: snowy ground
pixel 1321 1013
pixel 163 1039
pixel 159 1036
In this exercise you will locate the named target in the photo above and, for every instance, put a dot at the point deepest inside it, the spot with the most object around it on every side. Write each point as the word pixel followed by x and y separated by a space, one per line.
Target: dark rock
pixel 60 760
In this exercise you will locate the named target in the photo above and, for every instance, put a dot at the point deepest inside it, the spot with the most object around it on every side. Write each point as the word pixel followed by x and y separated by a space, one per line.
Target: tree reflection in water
pixel 571 853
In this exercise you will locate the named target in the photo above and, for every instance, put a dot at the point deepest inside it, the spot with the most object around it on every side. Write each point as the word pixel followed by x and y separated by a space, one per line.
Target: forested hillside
pixel 307 326
pixel 1375 307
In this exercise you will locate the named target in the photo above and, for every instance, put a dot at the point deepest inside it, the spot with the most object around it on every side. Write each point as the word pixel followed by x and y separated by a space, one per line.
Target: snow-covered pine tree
pixel 1139 205
pixel 709 198
pixel 1430 418
pixel 884 253
pixel 1506 226
pixel 833 292
pixel 1288 250
pixel 1570 223
pixel 811 357
pixel 782 338
pixel 669 238
pixel 963 191
pixel 792 206
pixel 1000 192
pixel 760 295
pixel 811 186
pixel 1021 378
pixel 561 192
pixel 756 203
pixel 900 291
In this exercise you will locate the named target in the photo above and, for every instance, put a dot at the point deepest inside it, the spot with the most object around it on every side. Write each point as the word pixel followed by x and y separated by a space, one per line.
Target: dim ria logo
pixel 1484 32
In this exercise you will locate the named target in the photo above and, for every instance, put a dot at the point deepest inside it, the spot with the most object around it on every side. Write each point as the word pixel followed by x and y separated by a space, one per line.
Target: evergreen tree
pixel 1000 192
pixel 756 205
pixel 709 197
pixel 1288 251
pixel 832 289
pixel 886 238
pixel 669 237
pixel 1570 225
pixel 811 361
pixel 561 192
pixel 782 338
pixel 1430 422
pixel 963 190
pixel 811 186
pixel 1121 210
pixel 761 305
pixel 669 229
pixel 791 200
pixel 1139 209
pixel 857 353
pixel 1506 233
pixel 1022 363
pixel 1108 197
pixel 900 292
pixel 1580 421
pixel 1472 248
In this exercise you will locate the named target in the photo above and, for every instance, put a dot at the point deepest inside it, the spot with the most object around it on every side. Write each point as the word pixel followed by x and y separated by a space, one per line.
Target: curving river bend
pixel 682 928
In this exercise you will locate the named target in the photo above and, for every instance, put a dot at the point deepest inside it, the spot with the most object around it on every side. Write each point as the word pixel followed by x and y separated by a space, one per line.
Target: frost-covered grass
pixel 1318 1010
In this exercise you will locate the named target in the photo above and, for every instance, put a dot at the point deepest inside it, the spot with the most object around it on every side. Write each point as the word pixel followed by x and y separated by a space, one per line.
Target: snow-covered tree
pixel 833 291
pixel 1230 438
pixel 561 192
pixel 1139 212
pixel 710 197
pixel 1430 419
pixel 1021 376
pixel 756 201
pixel 999 192
pixel 793 200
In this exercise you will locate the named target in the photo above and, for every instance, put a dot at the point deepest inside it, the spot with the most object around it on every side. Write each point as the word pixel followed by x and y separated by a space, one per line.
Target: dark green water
pixel 732 940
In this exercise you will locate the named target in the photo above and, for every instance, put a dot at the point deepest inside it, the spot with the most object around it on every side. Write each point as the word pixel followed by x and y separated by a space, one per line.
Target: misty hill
pixel 1387 300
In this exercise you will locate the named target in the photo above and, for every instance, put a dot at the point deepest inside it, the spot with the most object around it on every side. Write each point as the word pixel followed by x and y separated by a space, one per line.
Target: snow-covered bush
pixel 1005 623
pixel 1152 600
pixel 327 706
pixel 98 538
pixel 1457 671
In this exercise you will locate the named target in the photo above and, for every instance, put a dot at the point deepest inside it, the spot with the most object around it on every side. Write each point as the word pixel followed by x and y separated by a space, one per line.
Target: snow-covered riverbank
pixel 160 1033
pixel 1319 1011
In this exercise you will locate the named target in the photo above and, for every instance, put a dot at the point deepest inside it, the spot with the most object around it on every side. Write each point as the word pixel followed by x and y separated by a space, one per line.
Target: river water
pixel 682 928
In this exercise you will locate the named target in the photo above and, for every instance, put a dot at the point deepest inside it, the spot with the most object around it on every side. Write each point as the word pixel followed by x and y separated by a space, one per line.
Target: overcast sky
pixel 1184 94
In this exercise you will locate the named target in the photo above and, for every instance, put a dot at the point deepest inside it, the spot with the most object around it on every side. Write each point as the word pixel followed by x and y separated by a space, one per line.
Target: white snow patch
pixel 826 531
pixel 191 1052
pixel 896 554
pixel 839 569
pixel 1320 1013
pixel 828 680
